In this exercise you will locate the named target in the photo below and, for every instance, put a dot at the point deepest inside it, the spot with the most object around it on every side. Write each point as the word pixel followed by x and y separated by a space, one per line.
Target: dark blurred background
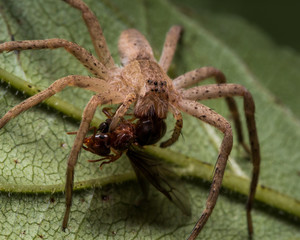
pixel 279 19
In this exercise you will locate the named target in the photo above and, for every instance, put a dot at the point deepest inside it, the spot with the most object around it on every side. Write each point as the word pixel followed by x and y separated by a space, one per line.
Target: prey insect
pixel 142 81
pixel 145 131
pixel 129 137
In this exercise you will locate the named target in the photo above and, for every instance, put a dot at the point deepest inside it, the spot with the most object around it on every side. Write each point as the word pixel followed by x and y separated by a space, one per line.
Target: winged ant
pixel 130 137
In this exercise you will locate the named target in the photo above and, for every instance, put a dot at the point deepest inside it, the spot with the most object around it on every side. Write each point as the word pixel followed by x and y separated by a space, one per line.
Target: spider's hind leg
pixel 209 116
pixel 201 74
pixel 230 90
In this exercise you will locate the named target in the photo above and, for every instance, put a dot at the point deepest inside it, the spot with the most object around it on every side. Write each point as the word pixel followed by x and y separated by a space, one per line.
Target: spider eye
pixel 149 81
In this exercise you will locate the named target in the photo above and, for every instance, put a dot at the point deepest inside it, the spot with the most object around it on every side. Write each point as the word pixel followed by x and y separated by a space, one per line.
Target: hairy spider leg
pixel 87 117
pixel 200 74
pixel 177 130
pixel 169 48
pixel 86 58
pixel 211 117
pixel 129 99
pixel 165 60
pixel 95 31
pixel 57 86
pixel 231 90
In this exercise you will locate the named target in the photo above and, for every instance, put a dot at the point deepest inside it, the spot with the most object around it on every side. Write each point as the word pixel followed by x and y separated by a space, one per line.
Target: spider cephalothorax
pixel 143 81
pixel 154 87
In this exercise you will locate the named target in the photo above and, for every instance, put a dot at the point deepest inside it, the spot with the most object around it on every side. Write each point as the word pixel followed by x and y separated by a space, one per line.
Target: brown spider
pixel 143 81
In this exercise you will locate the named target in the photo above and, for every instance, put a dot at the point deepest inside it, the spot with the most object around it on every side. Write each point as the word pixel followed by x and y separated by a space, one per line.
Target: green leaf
pixel 34 146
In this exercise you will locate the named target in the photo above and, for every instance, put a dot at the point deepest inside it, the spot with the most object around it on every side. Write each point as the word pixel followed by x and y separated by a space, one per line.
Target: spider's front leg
pixel 87 117
pixel 129 99
pixel 201 74
pixel 230 90
pixel 209 116
pixel 57 86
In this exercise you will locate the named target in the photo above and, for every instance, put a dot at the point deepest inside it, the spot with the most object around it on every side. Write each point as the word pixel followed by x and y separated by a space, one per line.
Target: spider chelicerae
pixel 143 81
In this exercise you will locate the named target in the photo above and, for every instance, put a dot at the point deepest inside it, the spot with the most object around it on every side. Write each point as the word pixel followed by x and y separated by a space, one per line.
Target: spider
pixel 142 81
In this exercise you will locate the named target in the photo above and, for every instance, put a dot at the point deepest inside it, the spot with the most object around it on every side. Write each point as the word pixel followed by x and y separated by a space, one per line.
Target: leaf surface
pixel 34 146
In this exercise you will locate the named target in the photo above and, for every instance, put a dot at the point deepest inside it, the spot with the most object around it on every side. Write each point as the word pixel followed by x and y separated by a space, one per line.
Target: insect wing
pixel 160 176
pixel 143 182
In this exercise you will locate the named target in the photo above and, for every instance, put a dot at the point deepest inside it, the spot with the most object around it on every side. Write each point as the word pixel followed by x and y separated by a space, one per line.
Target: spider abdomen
pixel 151 86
